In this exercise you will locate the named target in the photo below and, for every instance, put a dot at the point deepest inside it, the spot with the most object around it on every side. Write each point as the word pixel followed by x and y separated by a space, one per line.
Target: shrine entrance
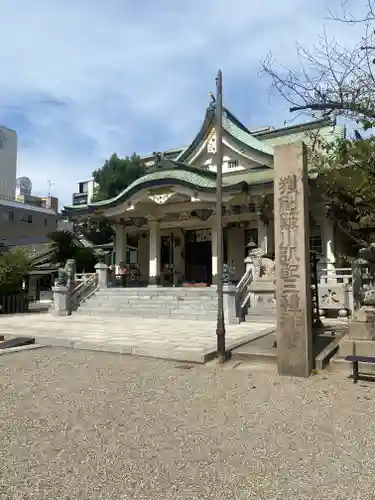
pixel 198 256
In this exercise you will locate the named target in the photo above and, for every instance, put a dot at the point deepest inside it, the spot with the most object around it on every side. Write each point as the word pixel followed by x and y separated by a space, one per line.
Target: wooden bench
pixel 358 359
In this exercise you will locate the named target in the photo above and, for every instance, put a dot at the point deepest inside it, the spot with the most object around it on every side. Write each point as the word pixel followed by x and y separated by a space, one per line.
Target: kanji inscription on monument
pixel 293 278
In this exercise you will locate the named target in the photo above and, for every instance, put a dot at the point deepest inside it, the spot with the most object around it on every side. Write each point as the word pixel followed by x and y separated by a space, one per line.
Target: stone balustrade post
pixel 229 305
pixel 358 266
pixel 102 275
pixel 71 272
pixel 61 301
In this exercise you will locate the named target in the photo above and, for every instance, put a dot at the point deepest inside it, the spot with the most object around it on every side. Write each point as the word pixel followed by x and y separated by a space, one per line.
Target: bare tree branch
pixel 330 78
pixel 331 106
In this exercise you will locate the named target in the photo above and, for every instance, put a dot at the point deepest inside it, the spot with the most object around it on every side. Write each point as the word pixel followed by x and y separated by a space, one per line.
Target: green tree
pixel 66 246
pixel 98 231
pixel 14 267
pixel 116 174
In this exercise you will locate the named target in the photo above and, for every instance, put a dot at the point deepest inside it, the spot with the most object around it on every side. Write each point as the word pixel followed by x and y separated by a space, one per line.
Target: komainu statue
pixel 262 266
pixel 268 267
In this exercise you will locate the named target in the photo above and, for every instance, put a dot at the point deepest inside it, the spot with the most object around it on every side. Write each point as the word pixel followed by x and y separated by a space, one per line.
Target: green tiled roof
pixel 200 180
pixel 254 176
pixel 170 173
pixel 326 132
pixel 232 126
pixel 245 137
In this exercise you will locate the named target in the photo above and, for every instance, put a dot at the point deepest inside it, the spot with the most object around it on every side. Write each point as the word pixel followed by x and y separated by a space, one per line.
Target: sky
pixel 82 79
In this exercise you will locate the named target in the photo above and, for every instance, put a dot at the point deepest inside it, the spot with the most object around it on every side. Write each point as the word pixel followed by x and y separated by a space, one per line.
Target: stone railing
pixel 341 275
pixel 335 291
pixel 84 289
pixel 340 288
pixel 243 294
pixel 80 277
pixel 68 293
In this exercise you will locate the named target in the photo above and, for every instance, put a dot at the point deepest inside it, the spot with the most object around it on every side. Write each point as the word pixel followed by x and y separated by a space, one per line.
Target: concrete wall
pixel 8 162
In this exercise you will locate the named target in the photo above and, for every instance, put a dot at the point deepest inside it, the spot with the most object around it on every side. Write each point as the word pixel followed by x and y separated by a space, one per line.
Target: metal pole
pixel 220 326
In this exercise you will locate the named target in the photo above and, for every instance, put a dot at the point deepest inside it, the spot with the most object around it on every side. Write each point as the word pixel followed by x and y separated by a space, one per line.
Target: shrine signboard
pixel 293 278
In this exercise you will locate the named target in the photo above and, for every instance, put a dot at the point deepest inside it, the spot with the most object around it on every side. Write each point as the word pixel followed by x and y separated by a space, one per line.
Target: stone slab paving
pixel 192 341
pixel 81 425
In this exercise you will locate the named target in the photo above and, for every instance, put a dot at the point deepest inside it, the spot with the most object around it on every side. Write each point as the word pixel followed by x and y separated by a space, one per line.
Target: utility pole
pixel 220 326
pixel 50 183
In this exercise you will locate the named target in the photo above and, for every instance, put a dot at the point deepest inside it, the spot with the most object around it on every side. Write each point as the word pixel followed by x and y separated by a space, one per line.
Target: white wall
pixel 8 162
pixel 90 190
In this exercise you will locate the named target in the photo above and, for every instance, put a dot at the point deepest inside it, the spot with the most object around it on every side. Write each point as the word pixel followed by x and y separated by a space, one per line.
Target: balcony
pixel 80 198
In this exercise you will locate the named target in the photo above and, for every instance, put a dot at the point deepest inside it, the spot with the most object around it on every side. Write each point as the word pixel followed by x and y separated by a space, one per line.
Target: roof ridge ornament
pixel 212 104
pixel 158 159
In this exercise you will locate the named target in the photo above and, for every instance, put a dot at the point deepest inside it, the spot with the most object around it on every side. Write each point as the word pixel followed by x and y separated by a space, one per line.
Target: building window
pixel 27 218
pixel 82 187
pixel 232 163
pixel 316 242
pixel 7 215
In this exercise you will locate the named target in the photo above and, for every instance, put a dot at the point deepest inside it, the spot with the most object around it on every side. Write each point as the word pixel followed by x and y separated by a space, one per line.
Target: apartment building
pixel 85 192
pixel 8 162
pixel 22 224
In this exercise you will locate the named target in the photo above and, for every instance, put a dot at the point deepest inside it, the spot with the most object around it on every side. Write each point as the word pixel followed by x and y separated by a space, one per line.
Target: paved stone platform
pixel 175 339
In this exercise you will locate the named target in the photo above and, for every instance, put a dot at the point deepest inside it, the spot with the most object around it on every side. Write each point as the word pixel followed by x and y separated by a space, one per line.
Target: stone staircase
pixel 172 303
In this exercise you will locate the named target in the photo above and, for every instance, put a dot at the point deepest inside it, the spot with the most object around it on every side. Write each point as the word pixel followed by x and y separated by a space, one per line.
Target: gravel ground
pixel 89 425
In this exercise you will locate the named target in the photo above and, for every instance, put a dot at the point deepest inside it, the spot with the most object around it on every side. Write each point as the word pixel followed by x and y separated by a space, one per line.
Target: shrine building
pixel 169 213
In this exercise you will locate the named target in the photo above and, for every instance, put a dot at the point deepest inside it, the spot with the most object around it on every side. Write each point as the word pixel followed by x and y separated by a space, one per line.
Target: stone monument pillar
pixel 293 277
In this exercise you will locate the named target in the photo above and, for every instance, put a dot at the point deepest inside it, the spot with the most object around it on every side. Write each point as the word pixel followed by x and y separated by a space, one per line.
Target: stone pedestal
pixel 362 326
pixel 262 298
pixel 102 274
pixel 61 301
pixel 356 347
pixel 229 305
pixel 360 339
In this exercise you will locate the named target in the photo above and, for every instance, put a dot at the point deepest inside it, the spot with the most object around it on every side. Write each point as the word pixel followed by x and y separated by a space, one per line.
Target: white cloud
pixel 90 77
